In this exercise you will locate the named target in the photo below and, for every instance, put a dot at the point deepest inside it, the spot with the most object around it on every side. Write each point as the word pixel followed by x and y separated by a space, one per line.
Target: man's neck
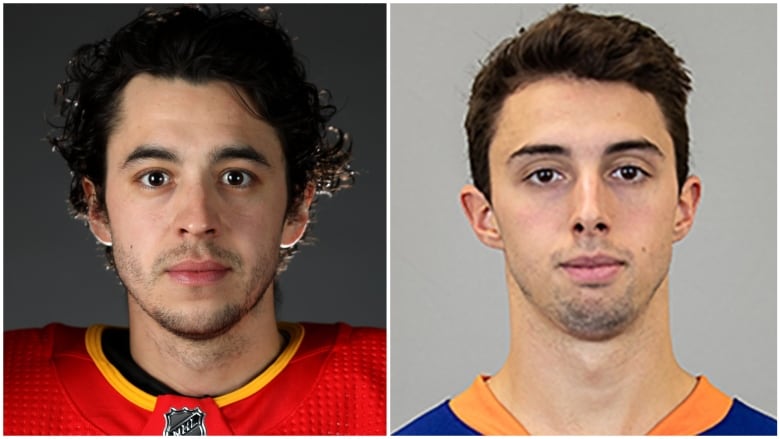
pixel 556 384
pixel 207 367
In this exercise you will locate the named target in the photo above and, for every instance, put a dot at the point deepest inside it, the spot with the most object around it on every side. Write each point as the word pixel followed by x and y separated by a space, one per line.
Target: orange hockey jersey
pixel 330 379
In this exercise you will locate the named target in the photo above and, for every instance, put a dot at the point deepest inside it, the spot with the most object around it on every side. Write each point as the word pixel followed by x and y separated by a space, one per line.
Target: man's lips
pixel 598 269
pixel 197 272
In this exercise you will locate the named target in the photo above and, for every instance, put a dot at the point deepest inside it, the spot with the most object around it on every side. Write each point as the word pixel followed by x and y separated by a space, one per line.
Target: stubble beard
pixel 597 320
pixel 588 318
pixel 198 326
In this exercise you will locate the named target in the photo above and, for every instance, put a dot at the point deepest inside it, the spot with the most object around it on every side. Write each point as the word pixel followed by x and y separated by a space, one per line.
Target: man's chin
pixel 198 334
pixel 589 322
pixel 594 334
pixel 201 328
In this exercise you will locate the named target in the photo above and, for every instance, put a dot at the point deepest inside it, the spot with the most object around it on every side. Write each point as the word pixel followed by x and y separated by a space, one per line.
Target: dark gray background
pixel 449 302
pixel 53 268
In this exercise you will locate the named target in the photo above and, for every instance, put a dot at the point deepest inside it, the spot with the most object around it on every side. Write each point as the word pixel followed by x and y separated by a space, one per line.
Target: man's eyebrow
pixel 244 152
pixel 144 152
pixel 628 145
pixel 615 148
pixel 537 149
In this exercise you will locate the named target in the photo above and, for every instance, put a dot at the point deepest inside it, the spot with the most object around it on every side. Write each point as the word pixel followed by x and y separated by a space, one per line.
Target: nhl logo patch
pixel 184 422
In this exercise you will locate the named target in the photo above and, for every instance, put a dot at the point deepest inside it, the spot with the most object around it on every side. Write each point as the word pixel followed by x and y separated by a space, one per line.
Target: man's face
pixel 585 201
pixel 195 201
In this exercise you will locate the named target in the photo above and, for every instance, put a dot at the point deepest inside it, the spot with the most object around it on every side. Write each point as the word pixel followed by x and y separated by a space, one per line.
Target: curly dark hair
pixel 580 45
pixel 247 49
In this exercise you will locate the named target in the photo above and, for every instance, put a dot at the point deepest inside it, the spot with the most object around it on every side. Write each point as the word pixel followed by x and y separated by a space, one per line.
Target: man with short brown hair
pixel 578 145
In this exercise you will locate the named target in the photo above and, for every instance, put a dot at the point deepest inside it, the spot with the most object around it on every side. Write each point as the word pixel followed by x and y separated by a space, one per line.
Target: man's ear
pixel 687 204
pixel 96 214
pixel 296 222
pixel 479 212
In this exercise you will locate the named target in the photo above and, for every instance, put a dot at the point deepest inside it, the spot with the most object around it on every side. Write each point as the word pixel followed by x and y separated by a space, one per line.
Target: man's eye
pixel 236 178
pixel 629 173
pixel 544 176
pixel 155 179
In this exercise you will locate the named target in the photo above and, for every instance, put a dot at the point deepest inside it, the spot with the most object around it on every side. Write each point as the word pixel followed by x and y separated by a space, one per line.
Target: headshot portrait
pixel 203 249
pixel 583 219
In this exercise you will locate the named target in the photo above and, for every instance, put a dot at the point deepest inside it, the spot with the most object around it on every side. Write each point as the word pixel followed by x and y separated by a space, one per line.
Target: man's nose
pixel 197 211
pixel 590 214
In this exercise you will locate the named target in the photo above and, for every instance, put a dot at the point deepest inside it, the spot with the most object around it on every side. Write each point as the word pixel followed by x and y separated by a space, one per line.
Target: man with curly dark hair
pixel 196 148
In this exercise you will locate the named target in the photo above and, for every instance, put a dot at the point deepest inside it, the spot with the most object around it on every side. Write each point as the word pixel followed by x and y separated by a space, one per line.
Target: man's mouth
pixel 197 272
pixel 593 270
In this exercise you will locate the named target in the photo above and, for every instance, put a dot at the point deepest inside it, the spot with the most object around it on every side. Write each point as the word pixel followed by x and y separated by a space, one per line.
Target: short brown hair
pixel 580 45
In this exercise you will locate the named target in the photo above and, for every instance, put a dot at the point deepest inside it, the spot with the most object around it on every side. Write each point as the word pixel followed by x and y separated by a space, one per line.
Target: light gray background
pixel 449 313
pixel 53 269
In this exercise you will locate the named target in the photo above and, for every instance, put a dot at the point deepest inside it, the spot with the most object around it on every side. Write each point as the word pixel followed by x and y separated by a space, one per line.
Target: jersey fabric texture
pixel 329 379
pixel 706 411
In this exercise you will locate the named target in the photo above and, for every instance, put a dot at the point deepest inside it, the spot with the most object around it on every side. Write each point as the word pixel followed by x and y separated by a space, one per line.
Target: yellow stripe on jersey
pixel 93 340
pixel 296 337
pixel 112 374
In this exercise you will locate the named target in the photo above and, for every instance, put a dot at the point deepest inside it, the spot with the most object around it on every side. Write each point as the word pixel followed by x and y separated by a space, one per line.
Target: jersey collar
pixel 147 401
pixel 704 408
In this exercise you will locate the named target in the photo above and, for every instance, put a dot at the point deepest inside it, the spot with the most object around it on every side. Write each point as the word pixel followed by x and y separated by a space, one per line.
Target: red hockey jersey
pixel 330 379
